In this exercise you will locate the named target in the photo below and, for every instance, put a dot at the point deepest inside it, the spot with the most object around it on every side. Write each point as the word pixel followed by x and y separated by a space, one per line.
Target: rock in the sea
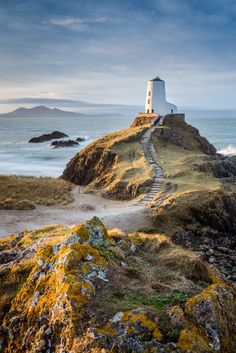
pixel 80 139
pixel 64 143
pixel 48 137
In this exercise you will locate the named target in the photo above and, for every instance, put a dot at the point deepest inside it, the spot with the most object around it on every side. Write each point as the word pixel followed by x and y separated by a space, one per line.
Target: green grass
pixel 121 300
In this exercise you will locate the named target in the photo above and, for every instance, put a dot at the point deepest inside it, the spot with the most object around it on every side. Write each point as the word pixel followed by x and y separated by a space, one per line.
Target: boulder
pixel 48 137
pixel 64 143
pixel 80 139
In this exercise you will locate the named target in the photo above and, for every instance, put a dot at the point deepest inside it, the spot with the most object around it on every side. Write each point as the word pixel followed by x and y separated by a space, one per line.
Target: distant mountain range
pixel 40 111
pixel 74 105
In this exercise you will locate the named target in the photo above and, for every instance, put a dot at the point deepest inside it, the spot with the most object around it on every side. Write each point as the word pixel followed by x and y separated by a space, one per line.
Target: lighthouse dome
pixel 157 78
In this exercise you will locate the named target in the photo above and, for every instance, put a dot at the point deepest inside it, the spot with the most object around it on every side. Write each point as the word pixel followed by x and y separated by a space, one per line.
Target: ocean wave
pixel 230 150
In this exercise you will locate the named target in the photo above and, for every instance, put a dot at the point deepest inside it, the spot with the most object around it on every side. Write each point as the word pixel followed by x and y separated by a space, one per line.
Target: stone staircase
pixel 151 157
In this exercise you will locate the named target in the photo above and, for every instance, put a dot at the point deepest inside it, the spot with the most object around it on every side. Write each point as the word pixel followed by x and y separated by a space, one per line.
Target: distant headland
pixel 39 111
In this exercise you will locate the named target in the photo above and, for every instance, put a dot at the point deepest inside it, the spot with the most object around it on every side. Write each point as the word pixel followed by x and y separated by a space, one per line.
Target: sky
pixel 104 51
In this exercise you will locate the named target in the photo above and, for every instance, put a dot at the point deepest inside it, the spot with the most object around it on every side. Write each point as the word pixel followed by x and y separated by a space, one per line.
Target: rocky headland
pixel 168 287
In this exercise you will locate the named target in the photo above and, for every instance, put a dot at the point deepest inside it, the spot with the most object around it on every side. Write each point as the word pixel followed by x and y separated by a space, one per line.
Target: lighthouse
pixel 156 98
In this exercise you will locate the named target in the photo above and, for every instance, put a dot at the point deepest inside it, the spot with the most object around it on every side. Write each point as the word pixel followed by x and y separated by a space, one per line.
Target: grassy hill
pixel 113 165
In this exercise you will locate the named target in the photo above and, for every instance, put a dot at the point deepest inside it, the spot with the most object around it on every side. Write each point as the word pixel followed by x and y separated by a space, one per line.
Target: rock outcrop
pixel 64 143
pixel 83 289
pixel 178 132
pixel 203 221
pixel 48 137
pixel 223 167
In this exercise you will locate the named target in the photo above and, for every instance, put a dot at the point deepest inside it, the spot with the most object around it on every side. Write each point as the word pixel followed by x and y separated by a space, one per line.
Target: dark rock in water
pixel 80 139
pixel 48 137
pixel 64 143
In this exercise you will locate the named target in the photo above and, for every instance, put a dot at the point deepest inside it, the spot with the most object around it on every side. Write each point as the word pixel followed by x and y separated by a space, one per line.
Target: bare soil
pixel 124 215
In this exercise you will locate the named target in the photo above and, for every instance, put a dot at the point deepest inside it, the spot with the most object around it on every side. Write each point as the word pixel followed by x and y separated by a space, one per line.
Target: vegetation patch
pixel 23 193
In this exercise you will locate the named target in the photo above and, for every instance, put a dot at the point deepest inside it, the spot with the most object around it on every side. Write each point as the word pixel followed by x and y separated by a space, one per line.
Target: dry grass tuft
pixel 23 193
pixel 116 233
pixel 154 242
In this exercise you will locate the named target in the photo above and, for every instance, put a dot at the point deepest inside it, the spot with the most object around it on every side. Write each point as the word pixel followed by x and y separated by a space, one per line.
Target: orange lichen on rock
pixel 210 321
pixel 138 325
pixel 58 291
pixel 48 309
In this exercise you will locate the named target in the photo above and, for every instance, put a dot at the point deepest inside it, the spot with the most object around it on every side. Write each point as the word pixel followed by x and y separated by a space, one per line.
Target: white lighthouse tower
pixel 156 98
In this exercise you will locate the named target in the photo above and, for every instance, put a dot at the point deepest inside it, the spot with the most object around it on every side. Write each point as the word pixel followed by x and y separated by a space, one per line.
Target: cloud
pixel 72 21
pixel 106 50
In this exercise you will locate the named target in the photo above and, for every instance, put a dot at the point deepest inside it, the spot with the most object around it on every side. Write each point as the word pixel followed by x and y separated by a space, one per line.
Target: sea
pixel 19 157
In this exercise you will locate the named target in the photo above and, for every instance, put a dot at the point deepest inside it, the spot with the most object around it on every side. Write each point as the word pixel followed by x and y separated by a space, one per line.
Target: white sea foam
pixel 230 150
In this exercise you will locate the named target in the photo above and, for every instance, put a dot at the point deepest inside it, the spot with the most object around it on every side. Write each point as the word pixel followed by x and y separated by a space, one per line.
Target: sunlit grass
pixel 22 192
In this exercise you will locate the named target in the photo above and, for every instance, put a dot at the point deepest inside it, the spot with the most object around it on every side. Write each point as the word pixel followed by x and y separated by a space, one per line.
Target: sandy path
pixel 124 215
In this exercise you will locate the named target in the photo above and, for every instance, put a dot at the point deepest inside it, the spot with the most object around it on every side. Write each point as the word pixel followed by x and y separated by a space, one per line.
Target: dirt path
pixel 113 213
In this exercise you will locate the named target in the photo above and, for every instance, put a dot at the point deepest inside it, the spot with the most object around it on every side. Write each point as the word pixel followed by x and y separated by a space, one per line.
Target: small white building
pixel 156 98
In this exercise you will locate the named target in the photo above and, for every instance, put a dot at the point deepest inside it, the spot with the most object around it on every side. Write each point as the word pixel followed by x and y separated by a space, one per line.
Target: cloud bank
pixel 105 51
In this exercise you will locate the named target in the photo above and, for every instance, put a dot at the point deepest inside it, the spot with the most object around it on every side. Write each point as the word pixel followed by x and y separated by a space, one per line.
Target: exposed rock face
pixel 205 222
pixel 209 324
pixel 48 137
pixel 64 143
pixel 203 324
pixel 178 132
pixel 48 307
pixel 213 233
pixel 218 165
pixel 85 167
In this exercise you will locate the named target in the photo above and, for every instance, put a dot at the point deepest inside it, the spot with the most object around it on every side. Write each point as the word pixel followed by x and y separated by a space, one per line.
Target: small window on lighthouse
pixel 148 101
pixel 149 93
